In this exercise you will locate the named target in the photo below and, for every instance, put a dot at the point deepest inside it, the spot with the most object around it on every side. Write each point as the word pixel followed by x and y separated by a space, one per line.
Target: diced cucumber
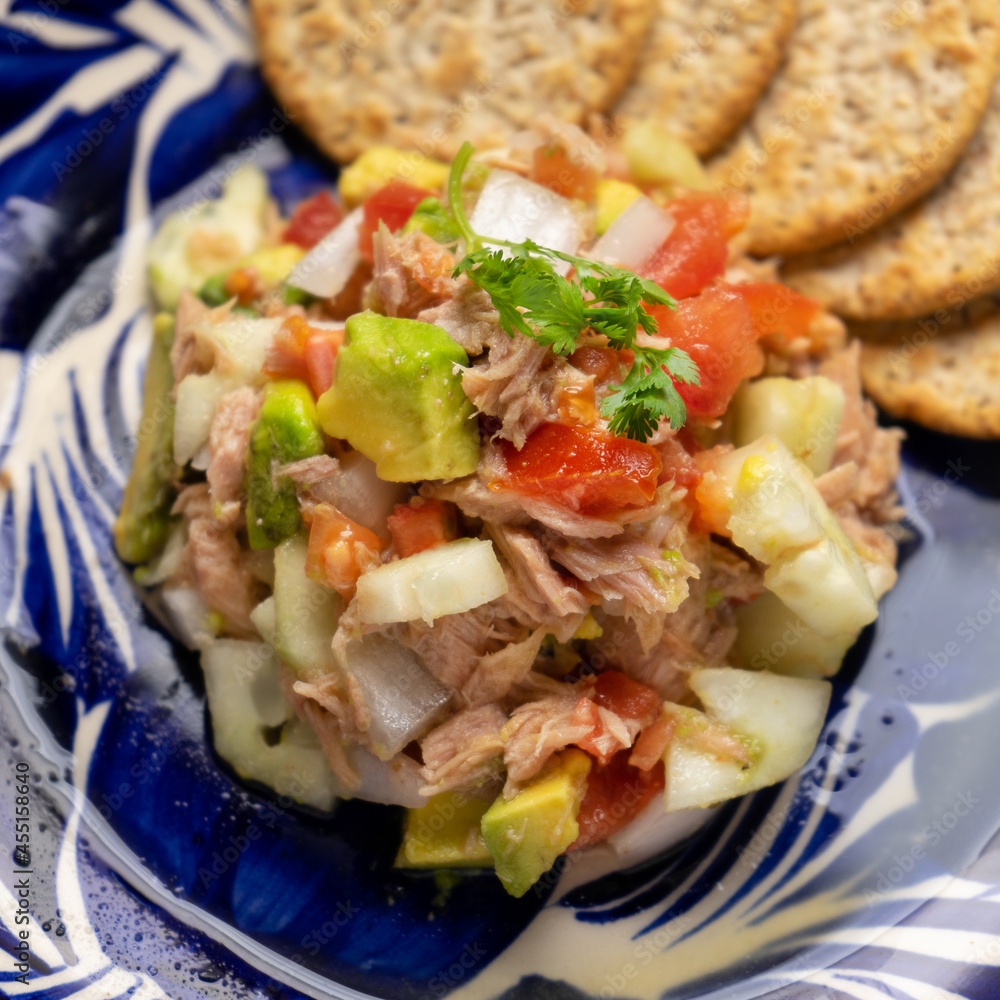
pixel 779 718
pixel 778 516
pixel 803 413
pixel 446 580
pixel 305 612
pixel 248 713
pixel 773 637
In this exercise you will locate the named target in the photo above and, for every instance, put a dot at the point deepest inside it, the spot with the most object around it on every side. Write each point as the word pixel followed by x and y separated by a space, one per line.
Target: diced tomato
pixel 777 311
pixel 312 220
pixel 601 362
pixel 299 350
pixel 625 697
pixel 600 742
pixel 283 356
pixel 340 550
pixel 712 495
pixel 585 469
pixel 393 205
pixel 552 168
pixel 616 793
pixel 422 524
pixel 320 354
pixel 651 743
pixel 716 330
pixel 697 248
pixel 244 285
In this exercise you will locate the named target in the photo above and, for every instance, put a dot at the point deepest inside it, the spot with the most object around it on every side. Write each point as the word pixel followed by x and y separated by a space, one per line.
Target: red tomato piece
pixel 585 469
pixel 616 793
pixel 301 351
pixel 777 310
pixel 422 524
pixel 312 220
pixel 393 205
pixel 601 362
pixel 697 248
pixel 283 356
pixel 625 697
pixel 716 330
pixel 552 168
pixel 340 550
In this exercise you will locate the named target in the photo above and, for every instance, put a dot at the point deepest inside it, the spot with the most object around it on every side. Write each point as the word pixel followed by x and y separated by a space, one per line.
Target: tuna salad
pixel 506 491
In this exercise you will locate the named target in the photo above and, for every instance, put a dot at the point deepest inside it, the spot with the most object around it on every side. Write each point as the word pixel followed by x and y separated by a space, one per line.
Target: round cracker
pixel 874 104
pixel 706 64
pixel 427 74
pixel 943 373
pixel 939 254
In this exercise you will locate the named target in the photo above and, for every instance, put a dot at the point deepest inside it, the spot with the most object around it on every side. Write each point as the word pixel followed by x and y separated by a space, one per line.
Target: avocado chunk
pixel 143 523
pixel 397 400
pixel 429 217
pixel 286 430
pixel 528 833
pixel 445 833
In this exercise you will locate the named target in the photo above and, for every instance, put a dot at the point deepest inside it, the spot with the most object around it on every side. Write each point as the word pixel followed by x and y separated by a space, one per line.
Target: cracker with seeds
pixel 941 253
pixel 427 74
pixel 942 371
pixel 705 65
pixel 873 106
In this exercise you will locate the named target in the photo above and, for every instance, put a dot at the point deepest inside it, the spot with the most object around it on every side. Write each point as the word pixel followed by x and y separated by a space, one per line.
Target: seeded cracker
pixel 942 371
pixel 425 75
pixel 939 254
pixel 706 64
pixel 874 104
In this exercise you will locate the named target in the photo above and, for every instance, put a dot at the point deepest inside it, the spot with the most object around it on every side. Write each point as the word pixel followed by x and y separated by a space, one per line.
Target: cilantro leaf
pixel 533 299
pixel 648 394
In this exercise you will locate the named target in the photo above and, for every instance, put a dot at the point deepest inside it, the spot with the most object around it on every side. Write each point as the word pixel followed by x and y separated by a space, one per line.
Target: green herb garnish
pixel 533 299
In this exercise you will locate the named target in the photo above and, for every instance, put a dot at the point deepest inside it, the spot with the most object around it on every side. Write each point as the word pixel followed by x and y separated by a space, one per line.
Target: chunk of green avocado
pixel 396 398
pixel 528 833
pixel 143 522
pixel 286 430
pixel 445 833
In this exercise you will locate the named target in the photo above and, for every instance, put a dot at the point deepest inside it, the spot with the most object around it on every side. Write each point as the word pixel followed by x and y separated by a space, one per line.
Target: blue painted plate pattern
pixel 153 873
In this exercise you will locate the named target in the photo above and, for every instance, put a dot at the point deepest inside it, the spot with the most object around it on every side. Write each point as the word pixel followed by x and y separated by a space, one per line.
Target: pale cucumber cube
pixel 445 580
pixel 305 612
pixel 804 414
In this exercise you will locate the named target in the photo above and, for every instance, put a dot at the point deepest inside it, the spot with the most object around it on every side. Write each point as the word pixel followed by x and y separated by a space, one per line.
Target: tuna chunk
pixel 465 752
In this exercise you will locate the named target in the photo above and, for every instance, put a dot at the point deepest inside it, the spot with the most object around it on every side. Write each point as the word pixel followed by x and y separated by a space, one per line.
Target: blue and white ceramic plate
pixel 134 864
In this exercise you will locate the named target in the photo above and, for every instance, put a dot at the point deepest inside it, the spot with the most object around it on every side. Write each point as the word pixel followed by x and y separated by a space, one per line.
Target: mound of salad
pixel 506 491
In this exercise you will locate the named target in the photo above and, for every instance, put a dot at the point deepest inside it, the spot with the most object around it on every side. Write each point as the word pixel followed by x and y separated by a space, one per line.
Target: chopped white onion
pixel 188 614
pixel 403 699
pixel 635 235
pixel 446 580
pixel 393 782
pixel 513 208
pixel 326 269
pixel 654 830
pixel 361 495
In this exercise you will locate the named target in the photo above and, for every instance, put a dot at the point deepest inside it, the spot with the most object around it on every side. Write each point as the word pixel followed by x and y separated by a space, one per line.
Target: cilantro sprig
pixel 532 298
